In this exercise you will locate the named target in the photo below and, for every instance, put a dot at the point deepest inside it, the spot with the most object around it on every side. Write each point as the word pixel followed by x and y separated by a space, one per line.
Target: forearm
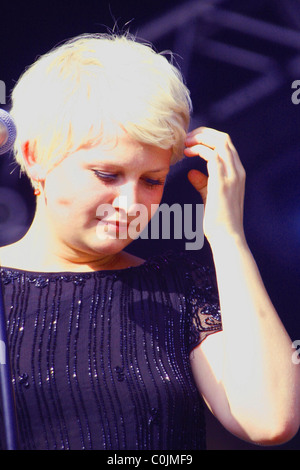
pixel 260 380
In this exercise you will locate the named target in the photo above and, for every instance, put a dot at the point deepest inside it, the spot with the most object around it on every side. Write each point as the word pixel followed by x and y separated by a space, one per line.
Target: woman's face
pixel 91 197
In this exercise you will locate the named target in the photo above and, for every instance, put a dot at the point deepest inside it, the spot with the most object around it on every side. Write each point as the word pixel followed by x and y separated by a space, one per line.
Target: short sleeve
pixel 203 304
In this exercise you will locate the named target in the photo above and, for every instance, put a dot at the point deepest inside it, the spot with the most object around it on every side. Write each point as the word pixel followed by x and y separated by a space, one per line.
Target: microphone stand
pixel 7 138
pixel 7 395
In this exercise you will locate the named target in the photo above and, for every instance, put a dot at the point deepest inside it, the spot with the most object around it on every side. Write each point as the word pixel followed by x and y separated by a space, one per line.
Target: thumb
pixel 199 181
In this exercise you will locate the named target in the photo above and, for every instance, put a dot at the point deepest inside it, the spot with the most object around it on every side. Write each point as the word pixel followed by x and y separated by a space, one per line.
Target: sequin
pixel 106 355
pixel 23 380
pixel 120 373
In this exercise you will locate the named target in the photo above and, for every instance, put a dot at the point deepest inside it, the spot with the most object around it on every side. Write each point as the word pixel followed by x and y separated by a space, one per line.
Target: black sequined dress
pixel 101 359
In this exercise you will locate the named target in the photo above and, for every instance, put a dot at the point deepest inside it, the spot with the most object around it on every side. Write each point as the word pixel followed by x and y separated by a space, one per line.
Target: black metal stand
pixel 7 395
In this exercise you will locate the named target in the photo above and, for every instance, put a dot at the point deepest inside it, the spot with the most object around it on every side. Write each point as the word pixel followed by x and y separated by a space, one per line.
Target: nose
pixel 126 196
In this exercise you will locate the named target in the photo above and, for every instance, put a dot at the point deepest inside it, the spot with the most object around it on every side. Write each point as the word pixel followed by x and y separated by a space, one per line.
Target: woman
pixel 108 349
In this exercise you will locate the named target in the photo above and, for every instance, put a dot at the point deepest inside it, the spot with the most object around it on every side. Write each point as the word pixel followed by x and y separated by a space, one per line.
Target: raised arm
pixel 245 373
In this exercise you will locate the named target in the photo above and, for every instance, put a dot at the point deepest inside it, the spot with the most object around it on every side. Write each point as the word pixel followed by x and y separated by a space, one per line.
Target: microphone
pixel 8 132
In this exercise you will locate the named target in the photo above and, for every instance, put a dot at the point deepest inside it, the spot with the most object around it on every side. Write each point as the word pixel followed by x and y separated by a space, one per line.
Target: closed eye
pixel 152 182
pixel 112 178
pixel 106 177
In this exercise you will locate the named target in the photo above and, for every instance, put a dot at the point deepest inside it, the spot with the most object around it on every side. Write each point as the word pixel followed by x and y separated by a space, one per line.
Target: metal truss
pixel 231 33
pixel 239 59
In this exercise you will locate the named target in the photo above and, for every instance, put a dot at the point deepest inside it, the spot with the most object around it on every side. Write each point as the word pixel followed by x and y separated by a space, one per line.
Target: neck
pixel 41 250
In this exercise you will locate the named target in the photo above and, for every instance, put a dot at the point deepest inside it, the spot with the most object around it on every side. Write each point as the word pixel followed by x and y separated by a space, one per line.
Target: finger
pixel 215 165
pixel 237 162
pixel 201 130
pixel 212 138
pixel 199 181
pixel 219 141
pixel 211 156
pixel 201 150
pixel 201 138
pixel 205 132
pixel 195 131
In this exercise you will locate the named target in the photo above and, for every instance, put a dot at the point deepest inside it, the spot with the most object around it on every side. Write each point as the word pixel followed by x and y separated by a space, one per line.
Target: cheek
pixel 152 201
pixel 59 188
pixel 73 190
pixel 155 196
pixel 59 197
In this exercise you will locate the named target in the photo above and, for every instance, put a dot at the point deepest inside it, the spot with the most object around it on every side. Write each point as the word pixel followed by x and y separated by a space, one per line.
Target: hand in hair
pixel 223 190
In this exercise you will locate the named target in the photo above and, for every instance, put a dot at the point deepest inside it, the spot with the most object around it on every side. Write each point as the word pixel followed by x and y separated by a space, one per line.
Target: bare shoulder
pixel 10 255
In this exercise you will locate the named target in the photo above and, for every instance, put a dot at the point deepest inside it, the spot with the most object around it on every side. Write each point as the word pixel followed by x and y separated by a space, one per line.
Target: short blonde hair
pixel 93 84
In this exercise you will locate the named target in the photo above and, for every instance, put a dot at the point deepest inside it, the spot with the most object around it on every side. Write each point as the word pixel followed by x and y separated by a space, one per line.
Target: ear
pixel 34 170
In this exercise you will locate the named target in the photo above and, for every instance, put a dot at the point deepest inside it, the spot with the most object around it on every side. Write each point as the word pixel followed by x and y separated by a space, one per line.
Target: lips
pixel 104 220
pixel 114 226
pixel 116 223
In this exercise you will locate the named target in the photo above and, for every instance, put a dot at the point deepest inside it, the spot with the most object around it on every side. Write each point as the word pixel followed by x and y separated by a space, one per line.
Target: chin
pixel 110 246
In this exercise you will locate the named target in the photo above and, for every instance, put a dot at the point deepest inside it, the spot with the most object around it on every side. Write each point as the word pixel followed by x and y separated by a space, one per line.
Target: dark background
pixel 239 59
